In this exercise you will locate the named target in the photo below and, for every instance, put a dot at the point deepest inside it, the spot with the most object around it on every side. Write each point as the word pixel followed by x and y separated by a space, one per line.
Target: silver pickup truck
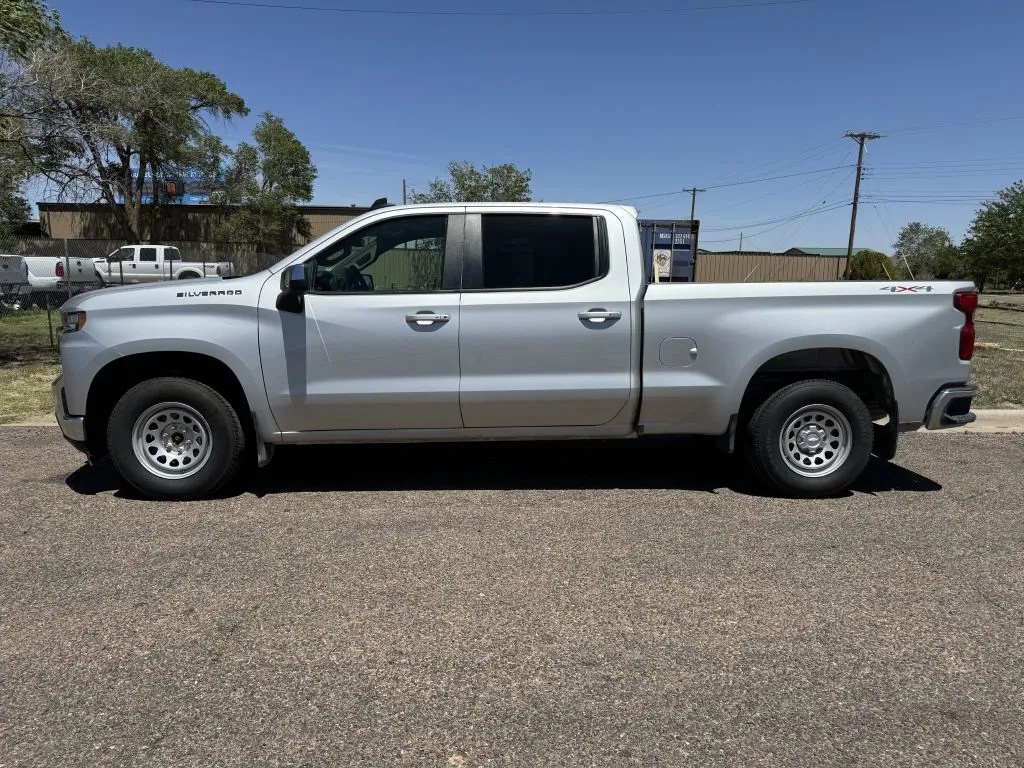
pixel 505 321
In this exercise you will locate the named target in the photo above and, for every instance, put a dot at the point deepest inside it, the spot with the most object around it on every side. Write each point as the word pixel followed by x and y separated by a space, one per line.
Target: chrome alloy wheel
pixel 172 440
pixel 816 440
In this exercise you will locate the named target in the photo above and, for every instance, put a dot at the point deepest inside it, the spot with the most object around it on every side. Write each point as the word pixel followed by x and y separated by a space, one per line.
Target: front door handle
pixel 598 316
pixel 427 318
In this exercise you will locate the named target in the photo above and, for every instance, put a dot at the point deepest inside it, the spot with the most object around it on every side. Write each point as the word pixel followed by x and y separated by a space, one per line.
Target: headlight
pixel 72 321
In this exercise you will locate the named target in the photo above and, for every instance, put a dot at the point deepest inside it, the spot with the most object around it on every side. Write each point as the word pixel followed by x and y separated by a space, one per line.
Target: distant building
pixel 793 265
pixel 178 223
pixel 835 253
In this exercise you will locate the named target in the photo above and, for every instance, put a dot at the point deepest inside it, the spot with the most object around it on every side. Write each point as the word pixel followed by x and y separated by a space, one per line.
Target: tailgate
pixel 78 271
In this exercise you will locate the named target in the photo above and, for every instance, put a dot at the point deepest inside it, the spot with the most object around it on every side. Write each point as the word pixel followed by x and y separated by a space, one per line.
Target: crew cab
pixel 153 263
pixel 459 322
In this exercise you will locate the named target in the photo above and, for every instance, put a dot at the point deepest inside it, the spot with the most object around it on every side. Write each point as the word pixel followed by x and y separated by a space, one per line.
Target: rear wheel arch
pixel 188 275
pixel 861 371
pixel 120 375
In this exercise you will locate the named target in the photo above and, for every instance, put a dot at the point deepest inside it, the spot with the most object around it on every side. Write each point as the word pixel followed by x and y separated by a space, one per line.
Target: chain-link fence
pixel 38 275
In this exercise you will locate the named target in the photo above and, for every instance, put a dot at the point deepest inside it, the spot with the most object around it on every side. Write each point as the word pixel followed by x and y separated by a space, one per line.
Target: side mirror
pixel 295 279
pixel 294 283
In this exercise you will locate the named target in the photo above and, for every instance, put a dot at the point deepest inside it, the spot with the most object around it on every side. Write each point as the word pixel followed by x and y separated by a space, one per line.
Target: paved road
pixel 574 604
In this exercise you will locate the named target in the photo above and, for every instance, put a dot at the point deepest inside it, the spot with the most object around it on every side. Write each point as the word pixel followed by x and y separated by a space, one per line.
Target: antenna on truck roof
pixel 380 202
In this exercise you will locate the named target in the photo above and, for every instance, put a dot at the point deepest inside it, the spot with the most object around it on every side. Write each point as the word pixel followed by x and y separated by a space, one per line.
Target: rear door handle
pixel 599 316
pixel 427 318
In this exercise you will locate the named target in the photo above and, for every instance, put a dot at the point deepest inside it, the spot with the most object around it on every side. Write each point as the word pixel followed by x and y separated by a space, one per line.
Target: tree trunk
pixel 134 201
pixel 155 236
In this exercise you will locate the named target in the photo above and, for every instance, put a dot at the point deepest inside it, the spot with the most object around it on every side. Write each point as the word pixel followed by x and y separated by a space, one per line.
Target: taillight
pixel 59 270
pixel 218 271
pixel 966 302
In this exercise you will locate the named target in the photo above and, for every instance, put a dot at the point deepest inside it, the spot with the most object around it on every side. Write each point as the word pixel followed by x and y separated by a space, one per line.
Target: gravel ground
pixel 571 604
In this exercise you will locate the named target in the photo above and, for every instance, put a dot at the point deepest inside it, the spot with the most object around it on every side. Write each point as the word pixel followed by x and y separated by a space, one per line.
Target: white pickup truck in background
pixel 14 287
pixel 52 279
pixel 152 263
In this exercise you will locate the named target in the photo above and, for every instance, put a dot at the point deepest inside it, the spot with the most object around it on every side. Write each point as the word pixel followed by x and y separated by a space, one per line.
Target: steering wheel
pixel 326 281
pixel 354 279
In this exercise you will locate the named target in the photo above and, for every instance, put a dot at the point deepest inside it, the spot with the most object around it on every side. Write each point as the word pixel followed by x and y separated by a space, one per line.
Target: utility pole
pixel 403 192
pixel 861 139
pixel 741 242
pixel 693 199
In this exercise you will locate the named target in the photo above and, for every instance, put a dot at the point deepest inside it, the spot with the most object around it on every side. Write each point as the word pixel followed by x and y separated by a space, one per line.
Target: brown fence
pixel 764 267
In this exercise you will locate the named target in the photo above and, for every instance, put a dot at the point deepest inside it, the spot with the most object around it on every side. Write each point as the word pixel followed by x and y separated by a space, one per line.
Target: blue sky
pixel 604 107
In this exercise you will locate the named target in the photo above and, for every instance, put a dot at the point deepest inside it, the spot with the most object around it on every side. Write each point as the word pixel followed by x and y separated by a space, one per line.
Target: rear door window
pixel 147 254
pixel 525 251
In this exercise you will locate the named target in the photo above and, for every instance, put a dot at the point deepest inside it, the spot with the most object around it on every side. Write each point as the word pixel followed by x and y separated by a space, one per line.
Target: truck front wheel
pixel 175 438
pixel 811 439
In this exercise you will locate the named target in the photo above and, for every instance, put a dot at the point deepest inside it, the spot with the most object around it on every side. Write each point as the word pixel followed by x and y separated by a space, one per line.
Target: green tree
pixel 96 121
pixel 13 210
pixel 870 265
pixel 920 246
pixel 949 263
pixel 467 183
pixel 266 179
pixel 994 246
pixel 26 25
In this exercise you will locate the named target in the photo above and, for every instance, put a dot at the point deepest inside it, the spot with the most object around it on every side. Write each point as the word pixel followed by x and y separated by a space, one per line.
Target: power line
pixel 951 164
pixel 400 12
pixel 765 222
pixel 958 124
pixel 774 178
pixel 776 166
pixel 730 184
pixel 801 223
pixel 931 202
pixel 774 192
pixel 781 224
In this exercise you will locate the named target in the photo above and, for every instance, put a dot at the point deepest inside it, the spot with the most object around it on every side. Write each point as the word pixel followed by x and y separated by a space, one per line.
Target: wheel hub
pixel 811 440
pixel 816 440
pixel 171 440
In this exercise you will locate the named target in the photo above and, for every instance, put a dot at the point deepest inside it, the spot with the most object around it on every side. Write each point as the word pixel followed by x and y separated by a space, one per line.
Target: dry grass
pixel 999 359
pixel 28 364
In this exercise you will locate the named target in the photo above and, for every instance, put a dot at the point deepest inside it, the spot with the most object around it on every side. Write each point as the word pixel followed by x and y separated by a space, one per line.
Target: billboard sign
pixel 187 185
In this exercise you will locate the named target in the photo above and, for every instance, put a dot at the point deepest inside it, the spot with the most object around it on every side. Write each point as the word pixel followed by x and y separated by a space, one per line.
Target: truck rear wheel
pixel 175 438
pixel 811 439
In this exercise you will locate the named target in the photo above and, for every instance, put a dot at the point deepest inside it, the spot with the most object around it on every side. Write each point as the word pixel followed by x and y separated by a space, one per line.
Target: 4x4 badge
pixel 906 288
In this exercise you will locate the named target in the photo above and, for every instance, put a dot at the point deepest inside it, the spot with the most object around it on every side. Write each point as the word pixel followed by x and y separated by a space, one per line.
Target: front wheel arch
pixel 120 375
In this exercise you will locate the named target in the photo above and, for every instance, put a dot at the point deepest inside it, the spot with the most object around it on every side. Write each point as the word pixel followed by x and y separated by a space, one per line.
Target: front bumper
pixel 951 407
pixel 73 427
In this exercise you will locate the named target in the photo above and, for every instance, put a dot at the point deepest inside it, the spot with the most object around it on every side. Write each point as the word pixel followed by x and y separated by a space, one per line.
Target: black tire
pixel 189 276
pixel 850 455
pixel 223 452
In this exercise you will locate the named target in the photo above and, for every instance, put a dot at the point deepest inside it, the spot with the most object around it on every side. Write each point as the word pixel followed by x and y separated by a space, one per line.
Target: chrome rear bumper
pixel 73 427
pixel 951 407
